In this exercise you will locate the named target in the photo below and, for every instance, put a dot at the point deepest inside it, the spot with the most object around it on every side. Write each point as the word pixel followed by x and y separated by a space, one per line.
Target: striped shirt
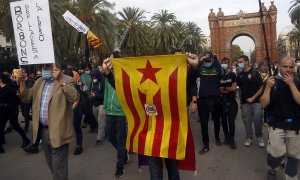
pixel 45 102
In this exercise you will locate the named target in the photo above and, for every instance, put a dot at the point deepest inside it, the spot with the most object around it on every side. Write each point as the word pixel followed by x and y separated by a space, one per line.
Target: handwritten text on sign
pixel 32 28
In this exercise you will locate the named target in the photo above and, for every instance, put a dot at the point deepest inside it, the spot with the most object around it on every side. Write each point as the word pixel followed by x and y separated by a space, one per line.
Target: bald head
pixel 286 65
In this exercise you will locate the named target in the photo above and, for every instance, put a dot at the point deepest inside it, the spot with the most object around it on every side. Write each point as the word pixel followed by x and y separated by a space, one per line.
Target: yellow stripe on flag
pixel 144 84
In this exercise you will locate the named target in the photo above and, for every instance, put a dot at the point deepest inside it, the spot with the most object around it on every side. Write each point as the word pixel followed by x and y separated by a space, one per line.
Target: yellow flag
pixel 93 39
pixel 152 93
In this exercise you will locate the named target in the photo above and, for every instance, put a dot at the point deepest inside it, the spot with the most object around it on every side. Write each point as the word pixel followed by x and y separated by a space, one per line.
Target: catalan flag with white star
pixel 93 39
pixel 152 93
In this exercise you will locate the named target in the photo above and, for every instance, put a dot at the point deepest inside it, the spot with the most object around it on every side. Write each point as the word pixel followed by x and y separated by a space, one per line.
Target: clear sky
pixel 197 11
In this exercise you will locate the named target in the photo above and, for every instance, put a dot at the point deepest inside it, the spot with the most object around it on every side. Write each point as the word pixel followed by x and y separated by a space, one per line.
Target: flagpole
pixel 265 38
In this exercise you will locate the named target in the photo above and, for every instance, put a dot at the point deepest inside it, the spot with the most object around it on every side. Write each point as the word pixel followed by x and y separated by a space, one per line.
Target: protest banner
pixel 32 29
pixel 75 22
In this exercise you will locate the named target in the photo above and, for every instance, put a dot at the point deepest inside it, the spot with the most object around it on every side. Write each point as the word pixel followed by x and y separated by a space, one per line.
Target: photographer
pixel 229 105
pixel 281 100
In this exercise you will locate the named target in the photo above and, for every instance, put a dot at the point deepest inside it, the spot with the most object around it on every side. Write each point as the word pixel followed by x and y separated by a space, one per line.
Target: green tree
pixel 164 36
pixel 97 16
pixel 196 41
pixel 133 24
pixel 295 13
pixel 236 51
pixel 294 37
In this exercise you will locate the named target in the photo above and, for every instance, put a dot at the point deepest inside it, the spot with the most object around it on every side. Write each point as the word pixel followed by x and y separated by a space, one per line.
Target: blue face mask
pixel 241 66
pixel 47 74
pixel 208 65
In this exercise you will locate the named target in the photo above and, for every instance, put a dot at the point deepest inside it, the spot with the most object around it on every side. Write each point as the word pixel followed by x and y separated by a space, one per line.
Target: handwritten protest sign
pixel 32 29
pixel 75 22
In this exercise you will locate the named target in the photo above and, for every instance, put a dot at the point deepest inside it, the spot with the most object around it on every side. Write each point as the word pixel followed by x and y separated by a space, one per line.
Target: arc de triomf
pixel 225 29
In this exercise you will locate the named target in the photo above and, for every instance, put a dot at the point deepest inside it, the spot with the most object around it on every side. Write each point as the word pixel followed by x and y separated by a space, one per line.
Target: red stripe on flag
pixel 159 125
pixel 130 103
pixel 173 80
pixel 189 163
pixel 143 133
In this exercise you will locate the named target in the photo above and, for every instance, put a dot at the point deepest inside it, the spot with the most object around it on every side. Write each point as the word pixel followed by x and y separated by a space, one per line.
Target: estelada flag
pixel 152 93
pixel 93 39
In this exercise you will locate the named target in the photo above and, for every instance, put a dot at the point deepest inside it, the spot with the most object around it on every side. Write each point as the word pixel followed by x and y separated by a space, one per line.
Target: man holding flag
pixel 156 110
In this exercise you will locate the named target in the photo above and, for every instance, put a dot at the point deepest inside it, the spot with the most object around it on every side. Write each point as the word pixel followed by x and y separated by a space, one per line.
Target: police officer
pixel 281 100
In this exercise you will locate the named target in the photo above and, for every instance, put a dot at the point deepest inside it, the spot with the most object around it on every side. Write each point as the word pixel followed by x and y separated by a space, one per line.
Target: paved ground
pixel 221 163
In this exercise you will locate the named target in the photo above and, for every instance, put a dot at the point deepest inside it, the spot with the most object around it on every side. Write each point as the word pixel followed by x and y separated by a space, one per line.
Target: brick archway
pixel 224 29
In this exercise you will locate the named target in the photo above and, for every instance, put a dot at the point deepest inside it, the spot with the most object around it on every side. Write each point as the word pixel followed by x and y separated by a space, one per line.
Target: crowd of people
pixel 55 100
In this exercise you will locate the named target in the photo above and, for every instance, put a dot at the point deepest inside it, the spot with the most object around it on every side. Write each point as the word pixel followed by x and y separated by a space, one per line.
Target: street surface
pixel 220 163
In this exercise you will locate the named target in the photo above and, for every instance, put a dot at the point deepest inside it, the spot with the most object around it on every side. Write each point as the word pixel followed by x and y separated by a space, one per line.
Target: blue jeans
pixel 156 168
pixel 252 113
pixel 116 132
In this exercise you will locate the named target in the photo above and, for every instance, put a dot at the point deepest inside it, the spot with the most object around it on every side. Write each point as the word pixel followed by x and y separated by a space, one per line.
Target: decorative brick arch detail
pixel 224 29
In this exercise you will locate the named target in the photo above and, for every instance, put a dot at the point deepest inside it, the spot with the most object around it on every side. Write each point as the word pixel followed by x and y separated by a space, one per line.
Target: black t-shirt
pixel 249 83
pixel 283 106
pixel 227 81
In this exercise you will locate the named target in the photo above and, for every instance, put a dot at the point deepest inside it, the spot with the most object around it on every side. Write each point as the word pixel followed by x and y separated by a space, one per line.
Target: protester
pixel 115 117
pixel 77 111
pixel 52 97
pixel 210 72
pixel 281 100
pixel 250 83
pixel 9 110
pixel 96 96
pixel 229 106
pixel 26 107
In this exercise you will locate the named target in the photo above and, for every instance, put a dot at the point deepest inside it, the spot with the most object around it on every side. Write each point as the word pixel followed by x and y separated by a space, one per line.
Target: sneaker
pixel 204 150
pixel 226 141
pixel 232 144
pixel 130 154
pixel 219 142
pixel 99 142
pixel 31 149
pixel 271 174
pixel 248 142
pixel 83 125
pixel 260 142
pixel 78 150
pixel 25 143
pixel 119 172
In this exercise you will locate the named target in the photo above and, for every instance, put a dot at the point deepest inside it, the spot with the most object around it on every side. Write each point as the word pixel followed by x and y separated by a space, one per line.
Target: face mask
pixel 47 74
pixel 298 64
pixel 208 65
pixel 224 66
pixel 95 80
pixel 87 72
pixel 241 66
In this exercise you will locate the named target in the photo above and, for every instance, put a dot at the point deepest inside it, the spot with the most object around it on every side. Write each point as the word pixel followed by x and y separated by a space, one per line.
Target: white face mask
pixel 95 80
pixel 224 66
pixel 298 64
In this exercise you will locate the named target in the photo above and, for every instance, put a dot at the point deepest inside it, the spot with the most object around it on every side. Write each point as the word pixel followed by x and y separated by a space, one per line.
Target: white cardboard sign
pixel 32 29
pixel 75 22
